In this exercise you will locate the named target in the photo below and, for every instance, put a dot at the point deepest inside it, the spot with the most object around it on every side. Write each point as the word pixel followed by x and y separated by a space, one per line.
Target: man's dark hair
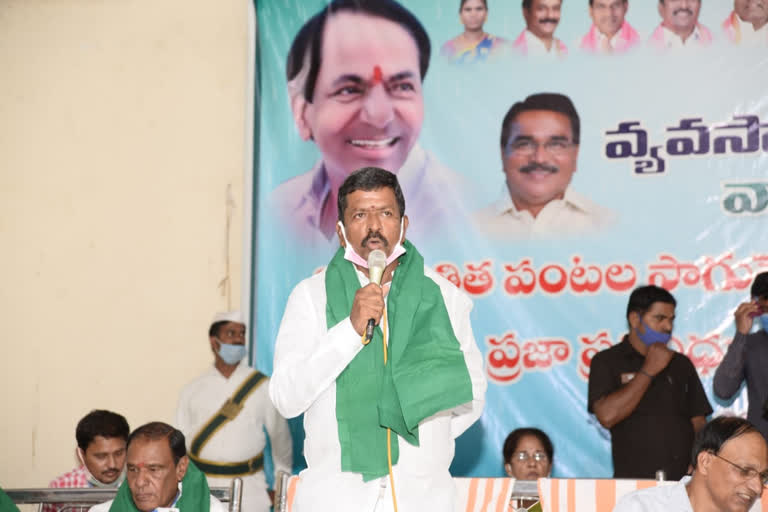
pixel 369 178
pixel 643 297
pixel 215 328
pixel 553 102
pixel 513 439
pixel 591 2
pixel 760 286
pixel 461 5
pixel 527 4
pixel 102 423
pixel 714 435
pixel 158 430
pixel 310 36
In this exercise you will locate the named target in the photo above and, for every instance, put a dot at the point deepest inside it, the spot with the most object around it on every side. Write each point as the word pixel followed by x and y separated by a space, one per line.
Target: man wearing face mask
pixel 747 356
pixel 402 396
pixel 649 396
pixel 224 413
pixel 101 436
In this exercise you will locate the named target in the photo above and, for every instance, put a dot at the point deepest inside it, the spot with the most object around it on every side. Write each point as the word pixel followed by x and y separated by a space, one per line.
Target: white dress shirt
pixel 672 497
pixel 672 41
pixel 215 505
pixel 308 359
pixel 241 438
pixel 751 37
pixel 537 47
pixel 573 215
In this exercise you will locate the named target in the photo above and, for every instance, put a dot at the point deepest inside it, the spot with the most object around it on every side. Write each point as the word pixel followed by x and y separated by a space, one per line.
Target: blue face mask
pixel 764 321
pixel 652 336
pixel 231 354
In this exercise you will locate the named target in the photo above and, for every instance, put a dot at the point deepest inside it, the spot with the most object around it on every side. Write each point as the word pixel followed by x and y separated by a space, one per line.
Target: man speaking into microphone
pixel 380 414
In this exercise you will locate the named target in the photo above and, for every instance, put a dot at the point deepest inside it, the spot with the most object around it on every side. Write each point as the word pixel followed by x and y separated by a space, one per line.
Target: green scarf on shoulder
pixel 195 494
pixel 425 371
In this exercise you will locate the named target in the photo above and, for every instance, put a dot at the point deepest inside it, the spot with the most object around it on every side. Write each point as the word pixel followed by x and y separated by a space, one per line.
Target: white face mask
pixel 351 255
pixel 93 481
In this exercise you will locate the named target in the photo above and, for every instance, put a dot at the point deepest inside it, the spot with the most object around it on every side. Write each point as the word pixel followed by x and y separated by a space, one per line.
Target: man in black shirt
pixel 649 396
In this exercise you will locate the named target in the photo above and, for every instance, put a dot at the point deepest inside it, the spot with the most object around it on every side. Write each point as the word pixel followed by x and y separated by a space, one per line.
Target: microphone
pixel 377 262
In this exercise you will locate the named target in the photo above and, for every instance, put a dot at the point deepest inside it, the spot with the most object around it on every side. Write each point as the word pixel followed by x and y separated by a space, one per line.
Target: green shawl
pixel 425 371
pixel 195 494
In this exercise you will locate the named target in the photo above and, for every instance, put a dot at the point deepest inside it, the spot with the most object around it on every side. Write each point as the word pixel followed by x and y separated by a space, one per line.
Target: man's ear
pixel 634 319
pixel 181 468
pixel 299 107
pixel 340 235
pixel 405 227
pixel 703 460
pixel 213 341
pixel 508 469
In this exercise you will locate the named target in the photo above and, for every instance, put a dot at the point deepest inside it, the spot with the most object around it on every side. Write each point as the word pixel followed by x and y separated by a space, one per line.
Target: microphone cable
pixel 384 345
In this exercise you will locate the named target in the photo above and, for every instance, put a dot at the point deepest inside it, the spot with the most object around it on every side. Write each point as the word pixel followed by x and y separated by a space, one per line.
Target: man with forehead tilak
pixel 402 397
pixel 355 73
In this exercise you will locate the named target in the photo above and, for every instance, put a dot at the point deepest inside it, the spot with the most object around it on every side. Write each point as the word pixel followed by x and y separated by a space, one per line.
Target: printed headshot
pixel 610 32
pixel 680 28
pixel 474 44
pixel 747 25
pixel 538 38
pixel 539 154
pixel 355 73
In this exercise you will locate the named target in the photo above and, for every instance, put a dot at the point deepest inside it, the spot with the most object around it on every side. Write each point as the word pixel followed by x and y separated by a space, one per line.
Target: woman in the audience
pixel 528 454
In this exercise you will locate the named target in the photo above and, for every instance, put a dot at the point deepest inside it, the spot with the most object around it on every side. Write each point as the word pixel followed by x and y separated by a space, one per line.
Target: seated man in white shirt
pixel 539 153
pixel 730 470
pixel 160 475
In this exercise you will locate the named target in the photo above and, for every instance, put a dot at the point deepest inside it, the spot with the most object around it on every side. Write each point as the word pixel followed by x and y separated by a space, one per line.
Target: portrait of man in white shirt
pixel 539 154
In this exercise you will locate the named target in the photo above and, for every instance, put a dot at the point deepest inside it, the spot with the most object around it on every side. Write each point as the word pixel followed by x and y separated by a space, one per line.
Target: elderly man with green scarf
pixel 380 417
pixel 159 476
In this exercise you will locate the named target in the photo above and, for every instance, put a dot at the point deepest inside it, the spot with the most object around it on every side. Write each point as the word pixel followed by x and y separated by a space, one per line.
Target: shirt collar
pixel 505 206
pixel 670 37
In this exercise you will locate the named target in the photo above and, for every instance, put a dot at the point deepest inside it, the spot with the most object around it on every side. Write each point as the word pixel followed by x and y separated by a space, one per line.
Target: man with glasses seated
pixel 539 153
pixel 730 472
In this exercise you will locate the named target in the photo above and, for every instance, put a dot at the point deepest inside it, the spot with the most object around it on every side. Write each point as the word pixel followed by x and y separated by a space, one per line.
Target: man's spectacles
pixel 524 456
pixel 748 473
pixel 555 147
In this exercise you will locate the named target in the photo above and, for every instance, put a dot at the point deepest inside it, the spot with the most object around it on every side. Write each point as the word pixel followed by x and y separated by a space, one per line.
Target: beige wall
pixel 122 125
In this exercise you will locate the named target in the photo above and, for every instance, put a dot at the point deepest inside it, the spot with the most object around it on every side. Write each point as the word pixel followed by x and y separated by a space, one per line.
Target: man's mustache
pixel 375 234
pixel 554 21
pixel 683 9
pixel 526 169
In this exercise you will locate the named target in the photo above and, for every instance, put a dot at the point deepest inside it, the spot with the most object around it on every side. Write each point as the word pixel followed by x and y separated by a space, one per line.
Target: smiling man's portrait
pixel 539 155
pixel 355 72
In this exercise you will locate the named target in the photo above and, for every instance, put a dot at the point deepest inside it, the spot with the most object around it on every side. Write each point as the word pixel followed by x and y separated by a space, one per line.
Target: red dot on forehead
pixel 377 75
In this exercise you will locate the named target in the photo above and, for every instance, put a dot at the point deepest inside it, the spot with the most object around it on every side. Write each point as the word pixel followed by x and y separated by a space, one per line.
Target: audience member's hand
pixel 368 303
pixel 743 317
pixel 271 494
pixel 657 358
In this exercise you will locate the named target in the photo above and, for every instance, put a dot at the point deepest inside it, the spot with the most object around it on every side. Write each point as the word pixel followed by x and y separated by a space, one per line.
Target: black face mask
pixel 765 409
